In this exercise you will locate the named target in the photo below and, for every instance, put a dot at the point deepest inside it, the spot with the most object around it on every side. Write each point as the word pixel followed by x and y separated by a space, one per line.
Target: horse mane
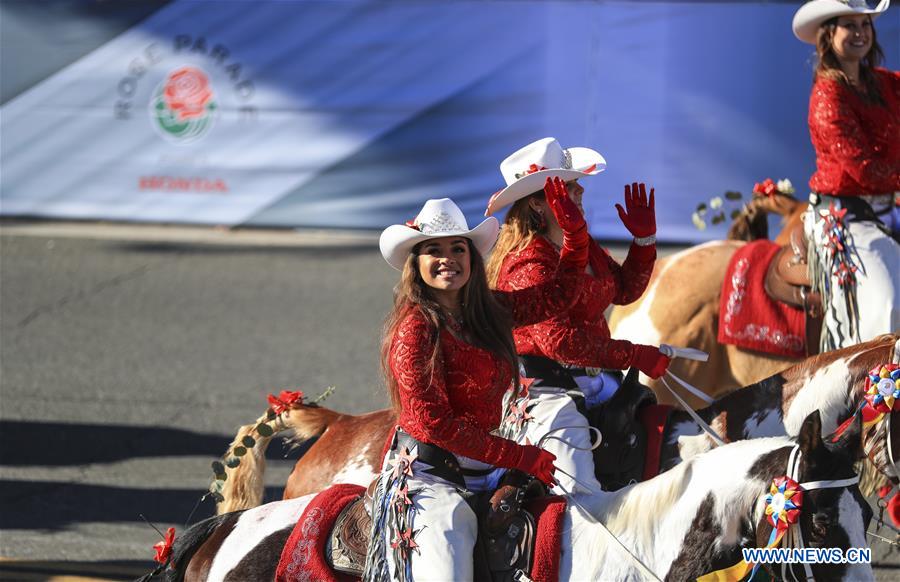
pixel 631 506
pixel 186 545
pixel 665 506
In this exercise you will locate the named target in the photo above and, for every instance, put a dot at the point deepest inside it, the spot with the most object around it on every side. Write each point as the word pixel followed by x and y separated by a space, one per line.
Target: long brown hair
pixel 521 225
pixel 487 324
pixel 829 67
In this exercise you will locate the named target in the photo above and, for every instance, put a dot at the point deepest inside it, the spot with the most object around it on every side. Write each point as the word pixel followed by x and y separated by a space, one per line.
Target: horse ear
pixel 810 437
pixel 849 441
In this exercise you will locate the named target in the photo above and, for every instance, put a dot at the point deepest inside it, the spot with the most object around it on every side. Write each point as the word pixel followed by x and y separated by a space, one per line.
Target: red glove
pixel 538 462
pixel 570 219
pixel 650 361
pixel 640 218
pixel 568 216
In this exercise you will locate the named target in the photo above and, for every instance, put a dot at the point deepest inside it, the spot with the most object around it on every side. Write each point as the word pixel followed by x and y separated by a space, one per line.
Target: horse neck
pixel 833 383
pixel 714 485
pixel 750 412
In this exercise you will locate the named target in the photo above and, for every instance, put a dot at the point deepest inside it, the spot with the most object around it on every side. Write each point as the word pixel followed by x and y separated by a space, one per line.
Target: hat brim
pixel 586 161
pixel 397 241
pixel 811 15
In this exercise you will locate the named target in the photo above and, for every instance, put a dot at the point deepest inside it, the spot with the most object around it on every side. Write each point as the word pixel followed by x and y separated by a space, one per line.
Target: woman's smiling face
pixel 445 265
pixel 852 37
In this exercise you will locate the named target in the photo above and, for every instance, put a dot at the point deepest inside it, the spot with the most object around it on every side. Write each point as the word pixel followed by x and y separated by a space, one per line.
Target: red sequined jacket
pixel 459 403
pixel 580 335
pixel 857 144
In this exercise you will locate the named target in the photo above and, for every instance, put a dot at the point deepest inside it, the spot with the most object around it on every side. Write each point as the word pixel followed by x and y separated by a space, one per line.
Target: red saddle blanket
pixel 303 556
pixel 748 317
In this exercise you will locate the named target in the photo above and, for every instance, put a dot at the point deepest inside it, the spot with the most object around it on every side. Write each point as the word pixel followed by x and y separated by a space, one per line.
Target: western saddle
pixel 787 281
pixel 506 531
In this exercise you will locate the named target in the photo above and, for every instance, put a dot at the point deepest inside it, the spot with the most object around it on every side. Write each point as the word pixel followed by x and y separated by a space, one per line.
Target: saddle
pixel 506 531
pixel 787 281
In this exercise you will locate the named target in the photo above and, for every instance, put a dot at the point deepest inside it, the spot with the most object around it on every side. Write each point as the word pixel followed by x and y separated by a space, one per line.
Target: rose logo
pixel 184 104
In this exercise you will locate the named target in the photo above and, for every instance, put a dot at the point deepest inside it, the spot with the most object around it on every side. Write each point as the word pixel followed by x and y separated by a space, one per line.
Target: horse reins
pixel 700 356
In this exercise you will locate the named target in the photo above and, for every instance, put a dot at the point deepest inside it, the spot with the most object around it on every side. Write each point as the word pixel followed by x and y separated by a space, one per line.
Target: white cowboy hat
pixel 527 170
pixel 438 218
pixel 811 15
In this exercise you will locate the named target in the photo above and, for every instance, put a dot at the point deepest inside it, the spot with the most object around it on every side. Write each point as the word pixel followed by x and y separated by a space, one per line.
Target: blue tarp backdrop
pixel 351 113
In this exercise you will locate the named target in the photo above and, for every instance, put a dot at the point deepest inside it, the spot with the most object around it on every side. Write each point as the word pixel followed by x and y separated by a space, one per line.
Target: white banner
pixel 351 113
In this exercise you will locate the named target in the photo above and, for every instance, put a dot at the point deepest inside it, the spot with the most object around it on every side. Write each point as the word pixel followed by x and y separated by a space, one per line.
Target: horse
pixel 683 524
pixel 681 307
pixel 683 298
pixel 349 448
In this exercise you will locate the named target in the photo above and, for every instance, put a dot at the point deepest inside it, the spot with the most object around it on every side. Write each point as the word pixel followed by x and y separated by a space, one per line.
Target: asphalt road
pixel 128 363
pixel 130 354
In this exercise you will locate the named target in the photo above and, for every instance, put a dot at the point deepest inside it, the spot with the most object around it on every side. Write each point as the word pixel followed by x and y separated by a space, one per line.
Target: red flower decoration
pixel 533 168
pixel 411 223
pixel 285 401
pixel 766 188
pixel 164 548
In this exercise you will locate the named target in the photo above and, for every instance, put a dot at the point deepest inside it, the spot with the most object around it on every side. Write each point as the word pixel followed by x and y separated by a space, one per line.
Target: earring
pixel 542 222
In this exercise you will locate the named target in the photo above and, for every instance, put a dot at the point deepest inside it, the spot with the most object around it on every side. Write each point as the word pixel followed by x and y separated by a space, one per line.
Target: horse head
pixel 832 513
pixel 619 460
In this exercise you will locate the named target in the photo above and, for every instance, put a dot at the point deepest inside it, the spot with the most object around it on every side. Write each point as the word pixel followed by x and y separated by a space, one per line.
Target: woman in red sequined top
pixel 557 351
pixel 854 124
pixel 449 359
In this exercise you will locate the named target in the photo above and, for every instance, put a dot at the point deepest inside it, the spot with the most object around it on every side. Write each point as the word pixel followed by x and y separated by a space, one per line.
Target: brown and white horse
pixel 349 448
pixel 690 521
pixel 681 306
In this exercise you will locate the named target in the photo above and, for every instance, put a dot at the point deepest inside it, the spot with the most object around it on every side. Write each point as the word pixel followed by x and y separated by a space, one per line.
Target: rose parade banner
pixel 352 113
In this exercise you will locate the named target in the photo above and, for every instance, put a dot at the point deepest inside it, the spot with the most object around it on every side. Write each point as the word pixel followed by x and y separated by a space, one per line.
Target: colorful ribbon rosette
pixel 883 389
pixel 882 395
pixel 783 506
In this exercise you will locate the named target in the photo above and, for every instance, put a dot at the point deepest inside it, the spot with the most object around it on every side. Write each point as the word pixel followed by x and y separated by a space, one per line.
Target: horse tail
pixel 244 486
pixel 186 545
pixel 752 223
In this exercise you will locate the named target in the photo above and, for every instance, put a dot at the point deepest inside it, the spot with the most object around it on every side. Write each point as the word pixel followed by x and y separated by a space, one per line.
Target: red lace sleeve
pixel 843 146
pixel 426 412
pixel 563 337
pixel 555 283
pixel 632 276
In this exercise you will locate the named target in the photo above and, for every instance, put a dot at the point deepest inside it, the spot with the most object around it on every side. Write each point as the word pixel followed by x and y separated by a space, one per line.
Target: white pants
pixel 553 409
pixel 877 285
pixel 445 525
pixel 446 529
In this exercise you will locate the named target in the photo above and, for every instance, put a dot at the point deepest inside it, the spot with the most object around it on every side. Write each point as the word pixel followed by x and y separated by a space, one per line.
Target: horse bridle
pixel 794 536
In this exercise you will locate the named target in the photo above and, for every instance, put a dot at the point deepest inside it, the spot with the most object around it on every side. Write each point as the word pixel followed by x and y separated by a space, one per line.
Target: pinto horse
pixel 690 521
pixel 349 448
